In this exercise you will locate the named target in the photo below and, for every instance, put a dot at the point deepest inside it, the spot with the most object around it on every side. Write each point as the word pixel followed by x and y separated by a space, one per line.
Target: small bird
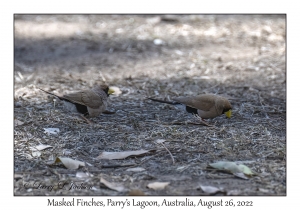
pixel 90 103
pixel 205 106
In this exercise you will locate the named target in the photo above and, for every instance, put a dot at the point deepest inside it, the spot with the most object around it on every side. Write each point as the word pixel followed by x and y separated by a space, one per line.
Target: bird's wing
pixel 60 97
pixel 198 102
pixel 85 97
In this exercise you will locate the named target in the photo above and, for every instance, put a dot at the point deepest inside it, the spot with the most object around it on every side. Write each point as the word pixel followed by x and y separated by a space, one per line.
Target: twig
pixel 41 172
pixel 210 87
pixel 55 172
pixel 169 152
pixel 143 161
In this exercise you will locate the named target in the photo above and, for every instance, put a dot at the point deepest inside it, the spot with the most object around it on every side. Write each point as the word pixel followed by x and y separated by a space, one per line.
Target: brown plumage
pixel 88 102
pixel 205 106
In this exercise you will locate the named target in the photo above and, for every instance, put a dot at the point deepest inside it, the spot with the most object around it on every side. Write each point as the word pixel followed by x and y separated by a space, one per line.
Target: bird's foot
pixel 87 120
pixel 202 121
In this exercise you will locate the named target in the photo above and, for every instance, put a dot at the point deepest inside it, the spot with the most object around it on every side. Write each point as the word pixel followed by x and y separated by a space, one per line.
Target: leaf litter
pixel 69 163
pixel 121 155
pixel 158 185
pixel 113 186
pixel 239 170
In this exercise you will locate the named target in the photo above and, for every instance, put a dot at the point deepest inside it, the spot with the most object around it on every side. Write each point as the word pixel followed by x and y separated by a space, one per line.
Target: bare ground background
pixel 239 56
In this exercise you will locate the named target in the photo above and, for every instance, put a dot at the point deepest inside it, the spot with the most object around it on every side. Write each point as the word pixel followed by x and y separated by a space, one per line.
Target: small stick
pixel 143 161
pixel 169 152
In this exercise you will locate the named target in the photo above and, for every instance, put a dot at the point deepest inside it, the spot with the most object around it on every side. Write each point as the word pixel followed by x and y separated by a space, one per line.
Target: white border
pixel 153 6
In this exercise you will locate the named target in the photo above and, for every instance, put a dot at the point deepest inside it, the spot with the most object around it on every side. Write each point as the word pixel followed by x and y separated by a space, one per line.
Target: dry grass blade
pixel 168 152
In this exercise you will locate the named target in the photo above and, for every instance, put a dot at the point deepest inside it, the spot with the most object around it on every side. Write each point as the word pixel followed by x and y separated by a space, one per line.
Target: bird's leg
pixel 201 120
pixel 87 120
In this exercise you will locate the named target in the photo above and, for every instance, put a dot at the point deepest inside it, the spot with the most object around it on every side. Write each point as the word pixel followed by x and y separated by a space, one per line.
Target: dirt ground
pixel 242 57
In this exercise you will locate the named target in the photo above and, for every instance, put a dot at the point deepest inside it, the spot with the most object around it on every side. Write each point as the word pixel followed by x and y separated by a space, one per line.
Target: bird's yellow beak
pixel 110 91
pixel 228 113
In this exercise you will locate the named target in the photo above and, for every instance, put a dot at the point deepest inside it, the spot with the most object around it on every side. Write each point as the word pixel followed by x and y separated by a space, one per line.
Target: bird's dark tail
pixel 61 98
pixel 166 102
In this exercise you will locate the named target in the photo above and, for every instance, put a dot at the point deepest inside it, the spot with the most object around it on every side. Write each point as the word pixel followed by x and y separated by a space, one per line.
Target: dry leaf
pixel 112 186
pixel 42 147
pixel 36 154
pixel 225 165
pixel 240 175
pixel 120 155
pixel 69 163
pixel 18 122
pixel 246 170
pixel 232 167
pixel 158 185
pixel 210 189
pixel 137 169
